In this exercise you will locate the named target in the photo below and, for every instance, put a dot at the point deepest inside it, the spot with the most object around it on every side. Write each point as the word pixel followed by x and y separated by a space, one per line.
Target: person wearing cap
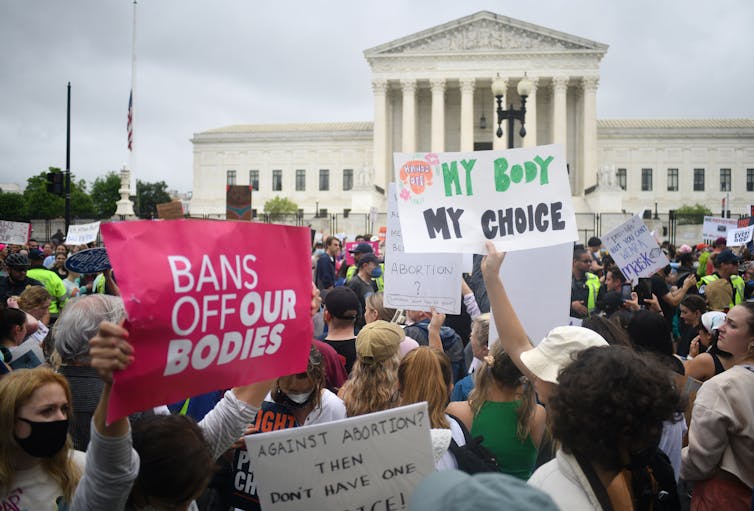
pixel 540 364
pixel 373 383
pixel 705 359
pixel 341 310
pixel 451 490
pixel 50 280
pixel 363 284
pixel 357 251
pixel 726 268
pixel 16 280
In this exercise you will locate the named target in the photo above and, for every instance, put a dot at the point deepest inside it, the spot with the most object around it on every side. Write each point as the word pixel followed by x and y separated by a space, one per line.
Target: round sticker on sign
pixel 92 260
pixel 417 175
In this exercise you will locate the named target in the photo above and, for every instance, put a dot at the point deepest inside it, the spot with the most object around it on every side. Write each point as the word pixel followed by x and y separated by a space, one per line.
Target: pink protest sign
pixel 350 245
pixel 211 305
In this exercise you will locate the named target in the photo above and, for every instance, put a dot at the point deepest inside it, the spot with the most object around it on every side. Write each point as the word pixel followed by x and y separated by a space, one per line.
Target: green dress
pixel 496 422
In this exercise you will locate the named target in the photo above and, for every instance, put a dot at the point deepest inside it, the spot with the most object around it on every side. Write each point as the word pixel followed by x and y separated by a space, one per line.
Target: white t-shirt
pixel 34 489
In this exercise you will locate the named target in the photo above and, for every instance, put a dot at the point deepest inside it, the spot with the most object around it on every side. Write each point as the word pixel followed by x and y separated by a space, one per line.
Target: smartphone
pixel 644 289
pixel 625 291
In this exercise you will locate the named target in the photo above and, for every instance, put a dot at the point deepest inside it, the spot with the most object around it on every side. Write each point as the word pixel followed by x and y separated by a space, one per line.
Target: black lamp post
pixel 498 89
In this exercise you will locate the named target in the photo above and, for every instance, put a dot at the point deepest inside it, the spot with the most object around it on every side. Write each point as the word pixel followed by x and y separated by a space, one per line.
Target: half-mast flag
pixel 129 124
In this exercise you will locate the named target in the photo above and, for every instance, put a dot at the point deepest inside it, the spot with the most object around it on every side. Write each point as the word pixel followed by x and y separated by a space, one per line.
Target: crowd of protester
pixel 645 401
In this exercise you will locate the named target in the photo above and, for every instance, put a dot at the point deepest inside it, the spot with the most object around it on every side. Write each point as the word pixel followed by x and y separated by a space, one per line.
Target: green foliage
pixel 12 207
pixel 696 209
pixel 43 205
pixel 82 205
pixel 692 215
pixel 39 203
pixel 278 206
pixel 105 195
pixel 148 195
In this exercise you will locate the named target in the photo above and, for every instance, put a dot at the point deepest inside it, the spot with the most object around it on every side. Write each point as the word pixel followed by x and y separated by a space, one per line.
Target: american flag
pixel 129 124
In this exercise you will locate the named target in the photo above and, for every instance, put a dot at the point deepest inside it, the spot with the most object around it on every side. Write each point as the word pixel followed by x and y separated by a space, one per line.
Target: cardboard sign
pixel 82 234
pixel 418 281
pixel 352 244
pixel 211 305
pixel 91 260
pixel 172 210
pixel 634 250
pixel 538 283
pixel 716 227
pixel 455 202
pixel 741 236
pixel 14 233
pixel 369 462
pixel 243 494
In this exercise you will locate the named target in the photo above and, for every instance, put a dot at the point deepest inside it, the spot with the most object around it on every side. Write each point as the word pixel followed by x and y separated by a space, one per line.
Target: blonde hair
pixel 498 370
pixel 480 326
pixel 425 375
pixel 16 389
pixel 377 302
pixel 371 387
pixel 33 297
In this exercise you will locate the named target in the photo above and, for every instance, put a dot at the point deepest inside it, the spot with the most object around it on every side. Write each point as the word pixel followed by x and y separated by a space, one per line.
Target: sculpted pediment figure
pixel 485 32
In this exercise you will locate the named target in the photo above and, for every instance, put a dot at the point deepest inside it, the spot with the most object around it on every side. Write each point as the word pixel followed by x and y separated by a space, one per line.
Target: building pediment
pixel 485 32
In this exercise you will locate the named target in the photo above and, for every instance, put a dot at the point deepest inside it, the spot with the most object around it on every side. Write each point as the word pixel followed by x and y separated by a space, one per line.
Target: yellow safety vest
pixel 736 281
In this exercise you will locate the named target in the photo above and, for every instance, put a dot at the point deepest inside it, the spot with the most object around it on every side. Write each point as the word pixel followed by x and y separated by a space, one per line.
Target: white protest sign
pixel 538 283
pixel 14 233
pixel 715 227
pixel 738 237
pixel 82 233
pixel 634 249
pixel 367 462
pixel 418 281
pixel 455 202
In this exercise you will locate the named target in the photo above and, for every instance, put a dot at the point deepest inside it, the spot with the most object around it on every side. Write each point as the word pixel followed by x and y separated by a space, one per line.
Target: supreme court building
pixel 432 92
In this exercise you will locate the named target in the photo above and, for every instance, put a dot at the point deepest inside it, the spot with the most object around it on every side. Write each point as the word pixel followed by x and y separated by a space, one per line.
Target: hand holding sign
pixel 110 350
pixel 209 309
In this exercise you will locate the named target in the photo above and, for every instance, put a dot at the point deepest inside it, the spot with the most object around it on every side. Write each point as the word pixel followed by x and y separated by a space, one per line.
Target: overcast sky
pixel 202 65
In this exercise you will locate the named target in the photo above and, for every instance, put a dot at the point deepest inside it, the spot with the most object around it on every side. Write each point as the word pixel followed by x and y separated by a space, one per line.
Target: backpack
pixel 473 457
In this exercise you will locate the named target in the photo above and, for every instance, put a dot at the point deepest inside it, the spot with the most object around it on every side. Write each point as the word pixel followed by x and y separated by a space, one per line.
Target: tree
pixel 148 196
pixel 81 202
pixel 40 204
pixel 278 207
pixel 12 207
pixel 105 195
pixel 692 214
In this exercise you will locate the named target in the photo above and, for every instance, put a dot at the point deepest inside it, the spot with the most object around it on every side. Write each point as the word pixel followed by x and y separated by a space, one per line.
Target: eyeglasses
pixel 586 261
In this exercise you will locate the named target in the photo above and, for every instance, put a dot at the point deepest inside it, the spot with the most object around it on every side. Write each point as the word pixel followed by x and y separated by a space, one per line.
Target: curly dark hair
pixel 610 402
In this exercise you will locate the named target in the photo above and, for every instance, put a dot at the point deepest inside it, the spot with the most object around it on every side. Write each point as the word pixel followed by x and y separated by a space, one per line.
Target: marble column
pixel 467 114
pixel 589 149
pixel 409 115
pixel 559 126
pixel 501 142
pixel 438 115
pixel 530 140
pixel 382 174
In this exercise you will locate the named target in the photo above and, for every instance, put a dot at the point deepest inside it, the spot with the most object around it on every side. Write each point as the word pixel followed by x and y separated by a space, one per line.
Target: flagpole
pixel 125 207
pixel 131 156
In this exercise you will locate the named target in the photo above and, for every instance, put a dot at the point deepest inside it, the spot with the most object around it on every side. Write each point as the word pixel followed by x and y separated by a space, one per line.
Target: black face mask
pixel 46 438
